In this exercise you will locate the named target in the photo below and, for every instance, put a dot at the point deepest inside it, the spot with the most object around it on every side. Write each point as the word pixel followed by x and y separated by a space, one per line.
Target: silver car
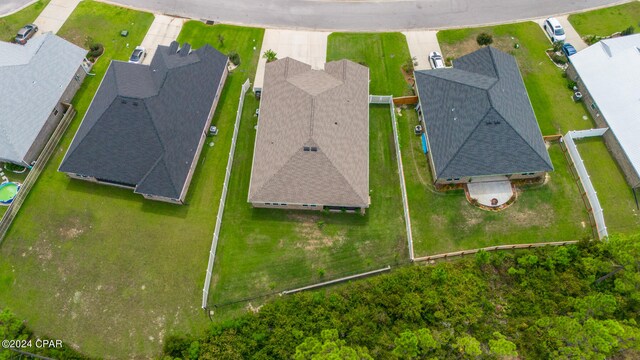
pixel 138 55
pixel 26 33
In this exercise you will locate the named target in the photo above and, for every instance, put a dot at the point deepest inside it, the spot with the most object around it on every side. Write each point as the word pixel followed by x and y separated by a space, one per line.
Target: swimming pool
pixel 8 191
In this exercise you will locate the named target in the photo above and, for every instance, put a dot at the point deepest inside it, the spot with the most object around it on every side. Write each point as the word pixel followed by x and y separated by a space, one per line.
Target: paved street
pixel 10 6
pixel 372 15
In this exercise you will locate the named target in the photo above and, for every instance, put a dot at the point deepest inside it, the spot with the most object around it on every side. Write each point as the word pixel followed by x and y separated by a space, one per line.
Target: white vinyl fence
pixel 378 99
pixel 596 209
pixel 223 197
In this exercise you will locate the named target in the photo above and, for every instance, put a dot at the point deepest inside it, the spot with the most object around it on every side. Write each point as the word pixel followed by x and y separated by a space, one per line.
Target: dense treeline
pixel 575 302
pixel 12 328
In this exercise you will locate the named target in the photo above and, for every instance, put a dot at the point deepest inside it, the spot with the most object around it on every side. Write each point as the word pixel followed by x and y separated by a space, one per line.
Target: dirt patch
pixel 313 237
pixel 71 229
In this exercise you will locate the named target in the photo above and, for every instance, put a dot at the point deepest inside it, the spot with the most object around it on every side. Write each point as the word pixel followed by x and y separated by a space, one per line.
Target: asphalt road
pixel 364 14
pixel 356 15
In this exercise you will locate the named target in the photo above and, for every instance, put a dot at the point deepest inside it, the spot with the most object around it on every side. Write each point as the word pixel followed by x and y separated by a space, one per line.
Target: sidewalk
pixel 421 43
pixel 309 47
pixel 163 31
pixel 54 15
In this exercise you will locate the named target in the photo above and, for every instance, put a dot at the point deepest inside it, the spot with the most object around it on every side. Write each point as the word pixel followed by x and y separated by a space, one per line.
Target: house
pixel 479 122
pixel 146 125
pixel 608 75
pixel 37 82
pixel 312 143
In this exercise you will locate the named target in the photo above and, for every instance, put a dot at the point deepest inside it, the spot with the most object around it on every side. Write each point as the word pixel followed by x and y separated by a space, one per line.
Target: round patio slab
pixel 491 194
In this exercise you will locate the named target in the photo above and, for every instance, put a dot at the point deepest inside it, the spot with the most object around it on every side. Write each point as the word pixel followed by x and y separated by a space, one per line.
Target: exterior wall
pixel 122 186
pixel 312 207
pixel 614 147
pixel 475 179
pixel 54 118
pixel 203 137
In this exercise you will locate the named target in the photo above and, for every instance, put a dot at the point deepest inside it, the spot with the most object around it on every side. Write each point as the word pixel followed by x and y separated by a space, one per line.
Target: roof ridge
pixel 343 176
pixel 465 141
pixel 432 73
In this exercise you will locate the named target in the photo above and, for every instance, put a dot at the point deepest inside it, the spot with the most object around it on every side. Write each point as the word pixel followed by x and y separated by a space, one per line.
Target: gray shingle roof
pixel 324 109
pixel 33 78
pixel 478 117
pixel 145 122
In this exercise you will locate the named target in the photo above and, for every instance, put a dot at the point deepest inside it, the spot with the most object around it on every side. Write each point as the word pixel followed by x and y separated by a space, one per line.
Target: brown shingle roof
pixel 304 110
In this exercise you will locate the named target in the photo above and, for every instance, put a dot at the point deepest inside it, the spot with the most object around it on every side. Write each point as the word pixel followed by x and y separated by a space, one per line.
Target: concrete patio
pixel 487 192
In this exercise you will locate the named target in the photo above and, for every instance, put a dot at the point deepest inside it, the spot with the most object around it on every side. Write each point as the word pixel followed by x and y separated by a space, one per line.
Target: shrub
pixel 449 61
pixel 557 46
pixel 234 58
pixel 407 67
pixel 558 59
pixel 484 39
pixel 628 31
pixel 95 50
pixel 571 85
pixel 270 55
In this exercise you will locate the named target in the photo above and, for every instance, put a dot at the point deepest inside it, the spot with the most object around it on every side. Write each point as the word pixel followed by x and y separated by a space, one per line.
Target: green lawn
pixel 551 99
pixel 445 221
pixel 604 22
pixel 100 267
pixel 616 198
pixel 383 53
pixel 265 250
pixel 9 25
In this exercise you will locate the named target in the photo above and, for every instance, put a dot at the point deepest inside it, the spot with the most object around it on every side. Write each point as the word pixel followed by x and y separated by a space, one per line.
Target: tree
pixel 484 39
pixel 406 345
pixel 468 346
pixel 221 40
pixel 330 348
pixel 270 55
pixel 426 341
pixel 502 348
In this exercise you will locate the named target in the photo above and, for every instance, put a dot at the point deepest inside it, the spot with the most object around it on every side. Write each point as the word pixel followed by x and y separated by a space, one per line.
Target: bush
pixel 571 85
pixel 407 66
pixel 270 55
pixel 628 31
pixel 95 50
pixel 558 59
pixel 557 46
pixel 234 58
pixel 484 39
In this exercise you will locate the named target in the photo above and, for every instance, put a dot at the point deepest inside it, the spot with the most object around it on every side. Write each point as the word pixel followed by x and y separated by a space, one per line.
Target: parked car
pixel 436 61
pixel 138 55
pixel 554 30
pixel 26 33
pixel 568 49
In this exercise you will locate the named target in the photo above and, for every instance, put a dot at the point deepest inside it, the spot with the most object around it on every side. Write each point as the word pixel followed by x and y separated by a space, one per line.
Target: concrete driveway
pixel 572 35
pixel 54 15
pixel 421 43
pixel 307 46
pixel 163 31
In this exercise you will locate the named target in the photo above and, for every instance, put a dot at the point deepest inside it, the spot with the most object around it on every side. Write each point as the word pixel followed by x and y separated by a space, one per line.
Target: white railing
pixel 379 99
pixel 223 197
pixel 590 191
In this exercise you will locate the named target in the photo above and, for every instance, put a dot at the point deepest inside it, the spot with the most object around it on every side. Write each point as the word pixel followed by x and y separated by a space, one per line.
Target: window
pixel 55 112
pixel 456 179
pixel 267 203
pixel 449 179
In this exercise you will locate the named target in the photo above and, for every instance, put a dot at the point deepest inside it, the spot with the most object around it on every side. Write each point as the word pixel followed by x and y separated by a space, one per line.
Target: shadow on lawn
pixel 301 216
pixel 112 192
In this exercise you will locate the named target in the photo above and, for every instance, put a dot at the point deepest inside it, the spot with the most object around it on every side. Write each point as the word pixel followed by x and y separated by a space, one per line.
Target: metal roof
pixel 610 70
pixel 33 78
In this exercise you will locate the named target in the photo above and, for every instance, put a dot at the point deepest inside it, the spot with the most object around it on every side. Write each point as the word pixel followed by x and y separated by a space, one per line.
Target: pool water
pixel 8 191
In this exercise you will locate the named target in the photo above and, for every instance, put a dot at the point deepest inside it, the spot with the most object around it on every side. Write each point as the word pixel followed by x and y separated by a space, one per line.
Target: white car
pixel 138 55
pixel 554 30
pixel 436 61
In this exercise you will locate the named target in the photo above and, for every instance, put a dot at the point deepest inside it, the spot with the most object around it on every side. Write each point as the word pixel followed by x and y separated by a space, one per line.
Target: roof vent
pixel 123 101
pixel 135 103
pixel 184 50
pixel 173 47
